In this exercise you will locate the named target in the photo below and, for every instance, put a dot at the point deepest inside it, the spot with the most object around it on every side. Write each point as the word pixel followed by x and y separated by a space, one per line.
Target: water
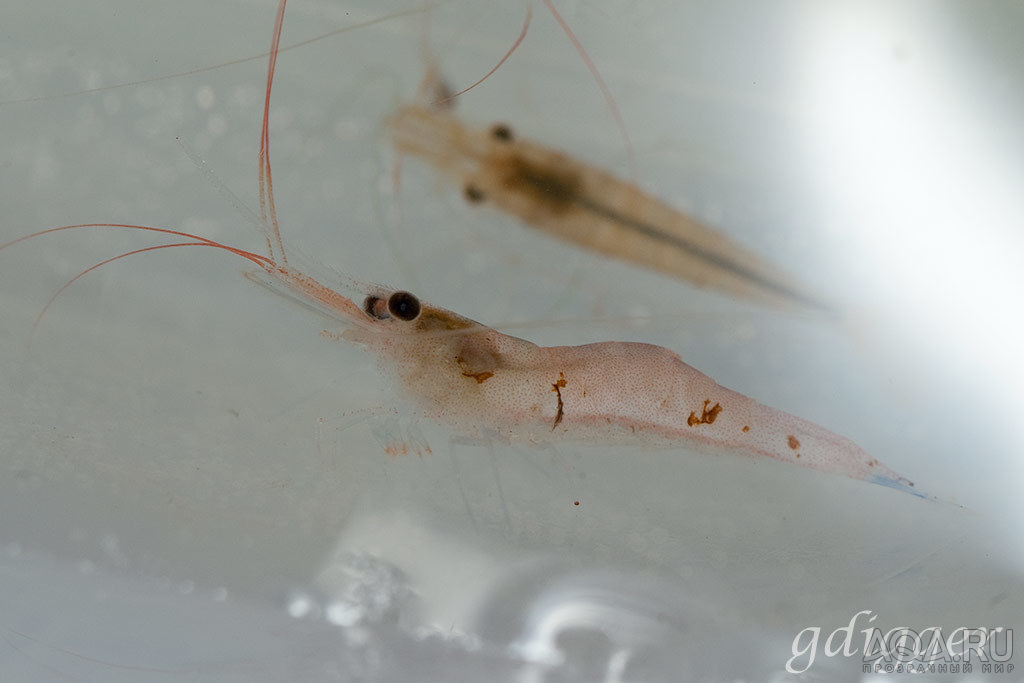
pixel 174 426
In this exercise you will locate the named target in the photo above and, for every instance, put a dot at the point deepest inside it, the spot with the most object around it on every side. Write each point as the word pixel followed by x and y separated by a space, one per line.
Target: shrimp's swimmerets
pixel 584 205
pixel 481 382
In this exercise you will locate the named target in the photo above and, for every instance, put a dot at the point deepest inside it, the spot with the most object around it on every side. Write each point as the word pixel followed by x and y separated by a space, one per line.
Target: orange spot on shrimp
pixel 475 364
pixel 746 428
pixel 434 319
pixel 576 503
pixel 557 388
pixel 707 415
pixel 794 443
pixel 480 377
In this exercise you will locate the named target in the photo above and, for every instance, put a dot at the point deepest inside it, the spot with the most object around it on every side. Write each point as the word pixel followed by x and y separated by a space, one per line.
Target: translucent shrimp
pixel 482 383
pixel 579 203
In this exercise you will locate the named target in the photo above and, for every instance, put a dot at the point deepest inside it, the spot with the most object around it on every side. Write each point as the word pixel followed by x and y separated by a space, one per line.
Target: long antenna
pixel 605 90
pixel 266 183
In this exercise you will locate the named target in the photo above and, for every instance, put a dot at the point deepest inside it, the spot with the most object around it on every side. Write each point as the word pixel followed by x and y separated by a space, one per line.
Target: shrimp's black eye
pixel 473 194
pixel 376 307
pixel 500 131
pixel 404 306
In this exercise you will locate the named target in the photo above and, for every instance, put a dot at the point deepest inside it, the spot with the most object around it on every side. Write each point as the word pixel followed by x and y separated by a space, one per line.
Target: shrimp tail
pixel 894 481
pixel 758 429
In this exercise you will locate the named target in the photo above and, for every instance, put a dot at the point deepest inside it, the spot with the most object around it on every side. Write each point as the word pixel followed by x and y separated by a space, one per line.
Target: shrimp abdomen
pixel 618 391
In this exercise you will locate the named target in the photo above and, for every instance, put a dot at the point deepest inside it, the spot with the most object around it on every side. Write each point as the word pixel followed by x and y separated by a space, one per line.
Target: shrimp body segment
pixel 589 207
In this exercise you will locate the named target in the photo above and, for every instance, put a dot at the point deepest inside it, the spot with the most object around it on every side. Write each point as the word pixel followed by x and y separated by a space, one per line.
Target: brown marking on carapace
pixel 473 194
pixel 396 449
pixel 794 443
pixel 746 428
pixel 439 319
pixel 556 188
pixel 557 388
pixel 707 416
pixel 480 377
pixel 872 462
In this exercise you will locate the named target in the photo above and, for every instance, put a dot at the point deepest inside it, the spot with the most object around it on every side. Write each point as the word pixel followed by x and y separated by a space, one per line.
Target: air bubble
pixel 205 97
pixel 299 607
pixel 344 613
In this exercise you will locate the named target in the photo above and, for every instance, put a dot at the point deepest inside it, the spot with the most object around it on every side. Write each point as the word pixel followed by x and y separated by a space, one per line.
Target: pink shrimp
pixel 483 383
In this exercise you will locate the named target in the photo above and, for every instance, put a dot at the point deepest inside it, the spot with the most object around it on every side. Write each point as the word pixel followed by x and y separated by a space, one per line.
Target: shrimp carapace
pixel 589 207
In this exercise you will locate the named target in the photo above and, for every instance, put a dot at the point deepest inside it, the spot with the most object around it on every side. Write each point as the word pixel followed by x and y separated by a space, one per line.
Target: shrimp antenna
pixel 195 240
pixel 605 90
pixel 222 189
pixel 515 45
pixel 255 258
pixel 266 184
pixel 234 62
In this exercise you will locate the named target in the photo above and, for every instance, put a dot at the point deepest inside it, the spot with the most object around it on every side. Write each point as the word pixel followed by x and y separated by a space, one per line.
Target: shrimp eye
pixel 376 307
pixel 500 131
pixel 473 194
pixel 404 306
